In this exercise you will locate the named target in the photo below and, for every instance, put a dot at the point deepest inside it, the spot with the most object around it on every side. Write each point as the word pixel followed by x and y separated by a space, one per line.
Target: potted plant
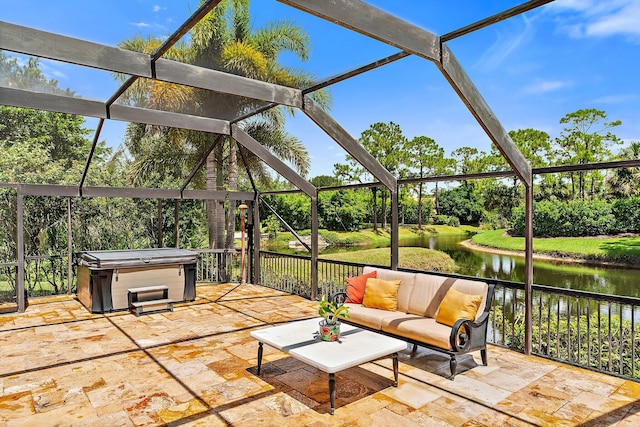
pixel 331 311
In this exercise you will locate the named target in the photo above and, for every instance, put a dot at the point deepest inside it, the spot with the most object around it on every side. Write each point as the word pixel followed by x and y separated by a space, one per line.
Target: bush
pixel 627 214
pixel 446 220
pixel 571 219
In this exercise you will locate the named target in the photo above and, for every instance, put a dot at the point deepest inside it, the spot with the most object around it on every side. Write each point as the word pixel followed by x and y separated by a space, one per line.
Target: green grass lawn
pixel 367 237
pixel 611 248
pixel 415 258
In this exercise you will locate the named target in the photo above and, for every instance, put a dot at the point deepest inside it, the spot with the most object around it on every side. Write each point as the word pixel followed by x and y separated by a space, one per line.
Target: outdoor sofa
pixel 442 313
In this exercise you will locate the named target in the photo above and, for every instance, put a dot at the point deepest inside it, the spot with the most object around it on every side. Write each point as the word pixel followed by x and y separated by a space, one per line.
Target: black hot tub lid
pixel 136 257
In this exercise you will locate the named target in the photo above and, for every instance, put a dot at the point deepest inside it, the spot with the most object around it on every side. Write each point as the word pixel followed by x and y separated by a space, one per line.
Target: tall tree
pixel 586 138
pixel 225 40
pixel 427 157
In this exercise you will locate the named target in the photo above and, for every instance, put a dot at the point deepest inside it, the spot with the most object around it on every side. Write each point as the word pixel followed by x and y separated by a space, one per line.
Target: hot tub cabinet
pixel 104 277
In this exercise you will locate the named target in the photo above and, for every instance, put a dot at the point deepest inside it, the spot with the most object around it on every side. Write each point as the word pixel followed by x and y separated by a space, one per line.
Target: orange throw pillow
pixel 356 285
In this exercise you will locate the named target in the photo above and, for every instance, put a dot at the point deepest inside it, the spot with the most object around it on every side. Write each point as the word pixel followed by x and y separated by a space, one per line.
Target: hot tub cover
pixel 136 257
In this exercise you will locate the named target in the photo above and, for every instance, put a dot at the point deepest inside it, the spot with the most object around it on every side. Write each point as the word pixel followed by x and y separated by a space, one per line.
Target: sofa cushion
pixel 423 329
pixel 371 317
pixel 356 285
pixel 428 292
pixel 382 294
pixel 458 305
pixel 406 284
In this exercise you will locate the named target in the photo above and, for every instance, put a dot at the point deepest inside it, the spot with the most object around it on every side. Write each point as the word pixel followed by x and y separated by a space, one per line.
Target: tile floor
pixel 196 366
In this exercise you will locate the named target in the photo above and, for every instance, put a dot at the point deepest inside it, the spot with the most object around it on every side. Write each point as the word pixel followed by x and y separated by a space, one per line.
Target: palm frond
pixel 282 36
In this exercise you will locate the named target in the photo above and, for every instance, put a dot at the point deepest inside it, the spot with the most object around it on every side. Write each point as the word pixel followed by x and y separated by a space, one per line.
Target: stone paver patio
pixel 63 366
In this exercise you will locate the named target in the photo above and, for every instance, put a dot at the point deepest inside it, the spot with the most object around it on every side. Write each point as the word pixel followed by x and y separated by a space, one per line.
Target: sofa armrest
pixel 467 334
pixel 339 297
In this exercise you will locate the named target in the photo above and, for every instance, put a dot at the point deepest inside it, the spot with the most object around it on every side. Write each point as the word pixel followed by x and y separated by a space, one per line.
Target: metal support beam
pixel 355 72
pixel 287 226
pixel 348 143
pixel 275 163
pixel 20 291
pixel 57 103
pixel 528 274
pixel 218 81
pixel 469 94
pixel 44 44
pixel 96 136
pixel 165 118
pixel 375 23
pixel 314 247
pixel 29 41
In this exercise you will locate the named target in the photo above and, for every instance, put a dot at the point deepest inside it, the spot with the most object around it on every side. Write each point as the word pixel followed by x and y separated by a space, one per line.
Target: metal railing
pixel 44 275
pixel 219 265
pixel 585 329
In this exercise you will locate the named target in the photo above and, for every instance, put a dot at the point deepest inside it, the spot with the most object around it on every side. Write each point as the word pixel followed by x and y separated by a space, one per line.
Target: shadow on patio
pixel 61 365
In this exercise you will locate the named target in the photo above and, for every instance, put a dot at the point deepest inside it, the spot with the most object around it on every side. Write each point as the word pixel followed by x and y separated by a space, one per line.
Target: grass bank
pixel 620 250
pixel 367 237
pixel 415 258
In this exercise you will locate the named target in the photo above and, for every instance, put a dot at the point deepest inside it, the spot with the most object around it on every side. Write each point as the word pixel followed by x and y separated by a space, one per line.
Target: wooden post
pixel 176 222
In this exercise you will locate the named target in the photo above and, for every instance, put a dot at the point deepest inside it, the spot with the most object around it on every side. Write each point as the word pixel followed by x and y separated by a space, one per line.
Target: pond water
pixel 599 279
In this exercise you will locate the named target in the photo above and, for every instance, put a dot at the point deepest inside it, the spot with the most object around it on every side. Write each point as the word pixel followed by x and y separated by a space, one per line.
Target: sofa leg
pixel 414 349
pixel 483 354
pixel 453 365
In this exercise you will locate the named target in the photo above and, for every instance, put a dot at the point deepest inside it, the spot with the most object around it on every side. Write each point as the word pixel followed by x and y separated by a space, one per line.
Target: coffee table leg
pixel 395 369
pixel 332 391
pixel 259 357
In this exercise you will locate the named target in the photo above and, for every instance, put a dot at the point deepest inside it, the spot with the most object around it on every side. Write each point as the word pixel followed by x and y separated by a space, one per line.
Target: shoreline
pixel 469 244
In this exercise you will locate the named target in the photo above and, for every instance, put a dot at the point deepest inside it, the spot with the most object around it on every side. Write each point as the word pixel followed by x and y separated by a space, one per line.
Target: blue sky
pixel 531 70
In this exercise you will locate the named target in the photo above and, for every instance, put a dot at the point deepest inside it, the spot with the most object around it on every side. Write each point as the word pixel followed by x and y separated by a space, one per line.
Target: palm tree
pixel 624 182
pixel 224 40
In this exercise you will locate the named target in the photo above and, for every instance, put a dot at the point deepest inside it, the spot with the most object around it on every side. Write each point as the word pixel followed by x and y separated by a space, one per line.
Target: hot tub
pixel 105 276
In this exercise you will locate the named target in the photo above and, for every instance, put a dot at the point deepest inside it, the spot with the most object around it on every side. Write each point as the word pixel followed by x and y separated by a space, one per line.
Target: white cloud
pixel 614 99
pixel 594 18
pixel 158 8
pixel 140 24
pixel 506 42
pixel 544 86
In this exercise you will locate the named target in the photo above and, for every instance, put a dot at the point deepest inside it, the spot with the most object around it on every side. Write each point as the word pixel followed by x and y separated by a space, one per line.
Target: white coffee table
pixel 355 347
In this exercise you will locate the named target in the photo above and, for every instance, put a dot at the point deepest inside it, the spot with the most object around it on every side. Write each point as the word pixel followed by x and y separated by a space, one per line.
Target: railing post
pixel 528 263
pixel 20 294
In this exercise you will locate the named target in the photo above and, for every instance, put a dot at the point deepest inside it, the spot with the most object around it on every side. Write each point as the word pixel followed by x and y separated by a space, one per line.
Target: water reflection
pixel 599 279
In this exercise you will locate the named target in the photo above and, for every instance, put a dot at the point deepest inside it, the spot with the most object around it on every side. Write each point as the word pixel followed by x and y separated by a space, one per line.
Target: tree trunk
pixel 420 206
pixel 160 221
pixel 374 190
pixel 437 205
pixel 233 186
pixel 220 214
pixel 384 209
pixel 212 205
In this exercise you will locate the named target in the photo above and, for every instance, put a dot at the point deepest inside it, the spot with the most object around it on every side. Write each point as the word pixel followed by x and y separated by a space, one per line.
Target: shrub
pixel 627 214
pixel 446 220
pixel 571 219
